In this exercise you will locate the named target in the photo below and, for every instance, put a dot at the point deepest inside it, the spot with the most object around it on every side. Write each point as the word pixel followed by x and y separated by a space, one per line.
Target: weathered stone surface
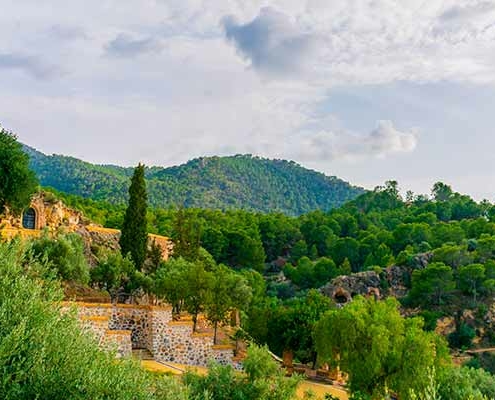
pixel 422 260
pixel 149 327
pixel 343 288
pixel 55 216
pixel 398 278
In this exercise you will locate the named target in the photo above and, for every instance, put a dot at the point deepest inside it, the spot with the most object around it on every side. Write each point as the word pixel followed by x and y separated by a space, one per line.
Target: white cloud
pixel 382 141
pixel 468 10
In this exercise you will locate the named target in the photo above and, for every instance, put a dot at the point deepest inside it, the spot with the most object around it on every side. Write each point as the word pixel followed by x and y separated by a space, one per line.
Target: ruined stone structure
pixel 343 288
pixel 391 281
pixel 46 212
pixel 126 327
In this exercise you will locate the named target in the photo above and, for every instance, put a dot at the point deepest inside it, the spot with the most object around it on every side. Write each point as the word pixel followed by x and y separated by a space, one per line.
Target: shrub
pixel 112 271
pixel 466 383
pixel 462 337
pixel 264 380
pixel 64 254
pixel 45 355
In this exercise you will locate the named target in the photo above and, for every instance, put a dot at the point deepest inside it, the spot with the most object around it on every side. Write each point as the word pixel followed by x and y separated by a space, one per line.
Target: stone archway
pixel 29 218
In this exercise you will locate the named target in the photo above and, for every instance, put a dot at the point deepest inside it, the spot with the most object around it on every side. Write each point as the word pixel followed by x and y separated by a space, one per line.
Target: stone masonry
pixel 128 327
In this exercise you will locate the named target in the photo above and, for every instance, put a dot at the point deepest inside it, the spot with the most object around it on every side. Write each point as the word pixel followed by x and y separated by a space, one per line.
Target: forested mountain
pixel 242 181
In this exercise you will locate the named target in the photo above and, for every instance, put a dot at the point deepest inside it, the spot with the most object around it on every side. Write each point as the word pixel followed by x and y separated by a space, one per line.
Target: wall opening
pixel 29 219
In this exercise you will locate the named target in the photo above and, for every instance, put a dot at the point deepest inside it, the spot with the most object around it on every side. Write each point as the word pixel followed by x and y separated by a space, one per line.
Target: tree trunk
pixel 215 332
pixel 313 366
pixel 195 320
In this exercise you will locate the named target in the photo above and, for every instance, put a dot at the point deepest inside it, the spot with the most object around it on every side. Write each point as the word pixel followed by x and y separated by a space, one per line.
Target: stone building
pixel 46 212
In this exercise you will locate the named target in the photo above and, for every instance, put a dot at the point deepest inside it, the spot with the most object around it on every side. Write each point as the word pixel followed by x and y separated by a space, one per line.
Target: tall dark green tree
pixel 17 181
pixel 134 238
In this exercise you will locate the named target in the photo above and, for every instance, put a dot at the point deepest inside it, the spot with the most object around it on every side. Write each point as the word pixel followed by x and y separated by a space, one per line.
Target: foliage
pixel 308 274
pixel 432 284
pixel 65 254
pixel 229 292
pixel 466 383
pixel 471 278
pixel 462 337
pixel 379 349
pixel 291 325
pixel 198 285
pixel 170 282
pixel 112 271
pixel 43 352
pixel 264 380
pixel 186 235
pixel 238 182
pixel 134 236
pixel 17 181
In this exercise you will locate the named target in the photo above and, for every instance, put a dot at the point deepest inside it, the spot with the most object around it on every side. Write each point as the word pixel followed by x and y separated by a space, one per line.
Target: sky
pixel 366 90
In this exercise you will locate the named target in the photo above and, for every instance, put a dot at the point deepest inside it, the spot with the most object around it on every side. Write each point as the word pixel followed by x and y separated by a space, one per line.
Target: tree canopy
pixel 379 349
pixel 17 181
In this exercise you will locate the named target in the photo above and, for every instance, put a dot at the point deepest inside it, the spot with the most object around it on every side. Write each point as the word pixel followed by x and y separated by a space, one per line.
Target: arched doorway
pixel 29 219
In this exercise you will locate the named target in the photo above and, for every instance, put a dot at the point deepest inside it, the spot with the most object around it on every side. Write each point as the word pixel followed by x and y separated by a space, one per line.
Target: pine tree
pixel 134 238
pixel 187 235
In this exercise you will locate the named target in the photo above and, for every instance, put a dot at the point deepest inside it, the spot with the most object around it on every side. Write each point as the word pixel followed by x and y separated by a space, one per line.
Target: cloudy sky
pixel 367 90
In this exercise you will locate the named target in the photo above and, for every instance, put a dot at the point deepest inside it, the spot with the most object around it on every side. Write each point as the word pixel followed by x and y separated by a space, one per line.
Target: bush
pixel 65 254
pixel 466 383
pixel 264 380
pixel 462 337
pixel 45 355
pixel 430 318
pixel 112 271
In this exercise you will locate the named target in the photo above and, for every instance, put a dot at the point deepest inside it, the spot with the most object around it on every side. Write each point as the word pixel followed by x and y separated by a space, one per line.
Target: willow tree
pixel 380 350
pixel 134 238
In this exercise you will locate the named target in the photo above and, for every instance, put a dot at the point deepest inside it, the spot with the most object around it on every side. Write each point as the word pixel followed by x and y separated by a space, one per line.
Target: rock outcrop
pixel 343 288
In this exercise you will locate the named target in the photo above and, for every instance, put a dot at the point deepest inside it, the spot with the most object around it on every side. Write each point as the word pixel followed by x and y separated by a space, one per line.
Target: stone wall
pixel 134 319
pixel 115 340
pixel 119 341
pixel 130 327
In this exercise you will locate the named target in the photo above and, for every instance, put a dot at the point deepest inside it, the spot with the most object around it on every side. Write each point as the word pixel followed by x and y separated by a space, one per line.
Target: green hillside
pixel 241 181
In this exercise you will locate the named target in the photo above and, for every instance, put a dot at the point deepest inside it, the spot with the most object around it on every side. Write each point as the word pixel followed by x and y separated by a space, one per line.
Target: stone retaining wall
pixel 119 341
pixel 135 320
pixel 148 327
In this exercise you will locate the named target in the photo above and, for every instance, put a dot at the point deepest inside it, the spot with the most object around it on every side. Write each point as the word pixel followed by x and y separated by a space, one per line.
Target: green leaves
pixel 379 349
pixel 432 284
pixel 44 354
pixel 17 181
pixel 134 236
pixel 65 254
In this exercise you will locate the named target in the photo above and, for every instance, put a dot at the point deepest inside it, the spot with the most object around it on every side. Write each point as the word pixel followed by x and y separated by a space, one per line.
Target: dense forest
pixel 287 262
pixel 238 182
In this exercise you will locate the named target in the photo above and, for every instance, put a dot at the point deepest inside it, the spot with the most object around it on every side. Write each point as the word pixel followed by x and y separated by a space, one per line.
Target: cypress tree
pixel 134 238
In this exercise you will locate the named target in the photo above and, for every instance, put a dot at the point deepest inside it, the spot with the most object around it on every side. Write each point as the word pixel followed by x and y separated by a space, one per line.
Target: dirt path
pixel 485 350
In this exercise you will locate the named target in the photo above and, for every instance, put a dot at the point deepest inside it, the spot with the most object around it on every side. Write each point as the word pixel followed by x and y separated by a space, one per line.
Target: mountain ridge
pixel 241 181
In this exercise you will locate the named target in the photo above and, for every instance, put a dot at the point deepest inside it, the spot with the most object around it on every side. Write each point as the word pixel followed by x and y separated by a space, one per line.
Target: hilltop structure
pixel 46 212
